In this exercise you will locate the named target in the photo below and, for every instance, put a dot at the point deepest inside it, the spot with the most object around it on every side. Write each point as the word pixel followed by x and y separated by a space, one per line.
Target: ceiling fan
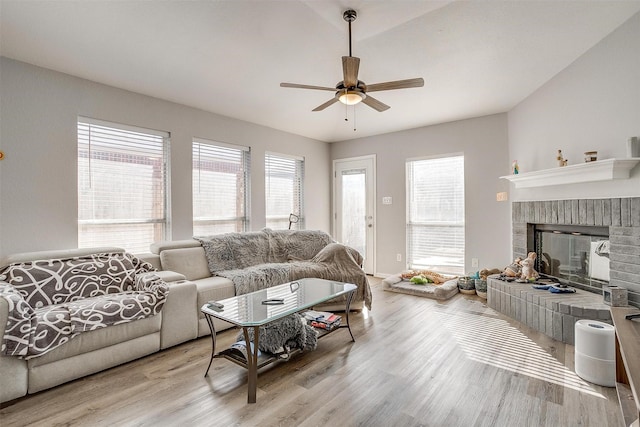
pixel 351 91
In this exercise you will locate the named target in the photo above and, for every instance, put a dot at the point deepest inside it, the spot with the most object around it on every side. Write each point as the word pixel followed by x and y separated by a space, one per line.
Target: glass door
pixel 354 196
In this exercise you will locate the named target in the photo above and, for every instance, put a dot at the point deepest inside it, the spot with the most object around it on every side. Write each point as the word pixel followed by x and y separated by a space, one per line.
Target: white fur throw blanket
pixel 259 260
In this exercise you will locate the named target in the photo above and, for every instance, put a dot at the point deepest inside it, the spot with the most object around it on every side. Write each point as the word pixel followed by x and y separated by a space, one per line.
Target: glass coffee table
pixel 249 311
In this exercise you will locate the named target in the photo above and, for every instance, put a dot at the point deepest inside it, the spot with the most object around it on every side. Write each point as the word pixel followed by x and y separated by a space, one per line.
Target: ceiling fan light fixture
pixel 351 97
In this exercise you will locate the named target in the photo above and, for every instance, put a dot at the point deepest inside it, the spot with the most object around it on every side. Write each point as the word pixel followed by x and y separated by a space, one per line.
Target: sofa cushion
pixel 235 250
pixel 89 314
pixel 100 338
pixel 190 262
pixel 214 288
pixel 256 277
pixel 296 245
pixel 56 281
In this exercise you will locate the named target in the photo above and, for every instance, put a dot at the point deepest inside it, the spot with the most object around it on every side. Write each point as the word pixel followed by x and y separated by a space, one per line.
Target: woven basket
pixel 466 285
pixel 481 285
pixel 481 288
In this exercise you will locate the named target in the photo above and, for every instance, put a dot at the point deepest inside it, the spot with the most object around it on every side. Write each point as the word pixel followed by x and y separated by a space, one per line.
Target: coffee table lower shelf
pixel 266 359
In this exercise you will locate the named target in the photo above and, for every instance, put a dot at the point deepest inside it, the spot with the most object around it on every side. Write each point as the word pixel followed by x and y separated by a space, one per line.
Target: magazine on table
pixel 240 349
pixel 322 319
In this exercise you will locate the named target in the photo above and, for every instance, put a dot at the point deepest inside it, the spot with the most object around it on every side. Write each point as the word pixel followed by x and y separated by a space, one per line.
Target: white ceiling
pixel 229 57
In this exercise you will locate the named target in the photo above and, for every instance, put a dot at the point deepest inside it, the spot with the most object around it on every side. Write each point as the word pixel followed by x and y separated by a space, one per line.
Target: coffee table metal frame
pixel 247 312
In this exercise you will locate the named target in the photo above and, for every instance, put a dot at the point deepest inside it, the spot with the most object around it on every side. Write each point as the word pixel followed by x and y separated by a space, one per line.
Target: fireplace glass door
pixel 577 258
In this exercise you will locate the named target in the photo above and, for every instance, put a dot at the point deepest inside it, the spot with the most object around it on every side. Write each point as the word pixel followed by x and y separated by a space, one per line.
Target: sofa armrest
pixel 170 276
pixel 151 283
pixel 179 314
pixel 18 322
pixel 13 370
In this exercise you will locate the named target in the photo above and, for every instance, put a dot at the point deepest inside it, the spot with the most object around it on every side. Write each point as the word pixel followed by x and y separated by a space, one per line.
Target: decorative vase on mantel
pixel 633 147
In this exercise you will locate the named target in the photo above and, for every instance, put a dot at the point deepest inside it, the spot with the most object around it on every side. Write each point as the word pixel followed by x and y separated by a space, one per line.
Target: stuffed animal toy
pixel 486 272
pixel 514 269
pixel 528 270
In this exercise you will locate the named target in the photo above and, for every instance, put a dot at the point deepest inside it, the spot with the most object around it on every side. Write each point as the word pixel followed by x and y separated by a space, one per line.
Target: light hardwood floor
pixel 415 362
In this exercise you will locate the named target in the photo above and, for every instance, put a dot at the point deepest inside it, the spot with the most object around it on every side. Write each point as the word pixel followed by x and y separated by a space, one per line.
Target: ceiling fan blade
pixel 375 104
pixel 326 104
pixel 398 84
pixel 298 86
pixel 350 66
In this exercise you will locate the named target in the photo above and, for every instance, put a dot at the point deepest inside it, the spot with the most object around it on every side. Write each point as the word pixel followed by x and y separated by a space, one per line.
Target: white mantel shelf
pixel 601 170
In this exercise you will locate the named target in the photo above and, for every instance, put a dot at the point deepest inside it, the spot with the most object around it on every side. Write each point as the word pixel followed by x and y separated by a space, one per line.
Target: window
pixel 122 185
pixel 435 214
pixel 220 188
pixel 284 176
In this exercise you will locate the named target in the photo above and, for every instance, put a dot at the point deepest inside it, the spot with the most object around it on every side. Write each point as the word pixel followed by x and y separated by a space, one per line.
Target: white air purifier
pixel 595 352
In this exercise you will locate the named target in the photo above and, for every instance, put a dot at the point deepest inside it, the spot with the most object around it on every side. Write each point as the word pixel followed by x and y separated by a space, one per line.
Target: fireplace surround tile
pixel 590 213
pixel 635 212
pixel 615 213
pixel 606 212
pixel 625 213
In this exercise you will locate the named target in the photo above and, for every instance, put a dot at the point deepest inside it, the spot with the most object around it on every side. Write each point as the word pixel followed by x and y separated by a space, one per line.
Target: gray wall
pixel 484 143
pixel 594 104
pixel 38 177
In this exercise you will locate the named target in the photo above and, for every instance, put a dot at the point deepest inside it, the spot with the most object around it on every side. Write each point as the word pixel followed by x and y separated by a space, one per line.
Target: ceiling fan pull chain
pixel 354 118
pixel 346 110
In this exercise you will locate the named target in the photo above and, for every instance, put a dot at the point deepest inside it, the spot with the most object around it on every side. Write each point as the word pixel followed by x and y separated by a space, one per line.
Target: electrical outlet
pixel 503 196
pixel 398 257
pixel 474 262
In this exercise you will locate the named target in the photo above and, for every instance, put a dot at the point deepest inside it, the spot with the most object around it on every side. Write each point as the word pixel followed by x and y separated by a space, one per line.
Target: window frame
pixel 163 220
pixel 246 165
pixel 411 224
pixel 299 203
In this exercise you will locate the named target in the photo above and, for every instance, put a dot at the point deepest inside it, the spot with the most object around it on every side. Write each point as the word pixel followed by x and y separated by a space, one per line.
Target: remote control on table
pixel 215 305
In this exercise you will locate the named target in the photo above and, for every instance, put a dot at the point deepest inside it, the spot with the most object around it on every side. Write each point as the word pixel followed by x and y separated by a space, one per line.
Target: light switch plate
pixel 387 200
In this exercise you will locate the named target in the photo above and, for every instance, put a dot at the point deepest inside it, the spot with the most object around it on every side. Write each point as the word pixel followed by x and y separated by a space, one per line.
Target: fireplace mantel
pixel 601 170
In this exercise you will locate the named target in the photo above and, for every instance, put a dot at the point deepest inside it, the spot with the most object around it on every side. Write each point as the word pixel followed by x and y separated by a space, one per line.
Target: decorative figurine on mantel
pixel 515 168
pixel 561 161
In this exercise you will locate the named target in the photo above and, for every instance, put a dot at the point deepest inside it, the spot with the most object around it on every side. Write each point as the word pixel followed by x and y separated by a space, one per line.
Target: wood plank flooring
pixel 415 362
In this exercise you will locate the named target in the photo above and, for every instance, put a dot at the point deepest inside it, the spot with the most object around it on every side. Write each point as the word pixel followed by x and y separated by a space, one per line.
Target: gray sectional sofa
pixel 226 265
pixel 168 285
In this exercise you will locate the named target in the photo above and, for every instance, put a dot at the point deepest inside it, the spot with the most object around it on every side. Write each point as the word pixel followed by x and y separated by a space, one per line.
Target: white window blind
pixel 284 180
pixel 435 214
pixel 122 185
pixel 220 188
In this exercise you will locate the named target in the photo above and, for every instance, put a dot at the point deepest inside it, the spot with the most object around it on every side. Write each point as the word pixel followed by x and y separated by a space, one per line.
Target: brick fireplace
pixel 621 215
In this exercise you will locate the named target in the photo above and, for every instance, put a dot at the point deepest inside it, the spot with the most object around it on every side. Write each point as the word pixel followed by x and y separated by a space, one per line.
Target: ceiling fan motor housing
pixel 350 15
